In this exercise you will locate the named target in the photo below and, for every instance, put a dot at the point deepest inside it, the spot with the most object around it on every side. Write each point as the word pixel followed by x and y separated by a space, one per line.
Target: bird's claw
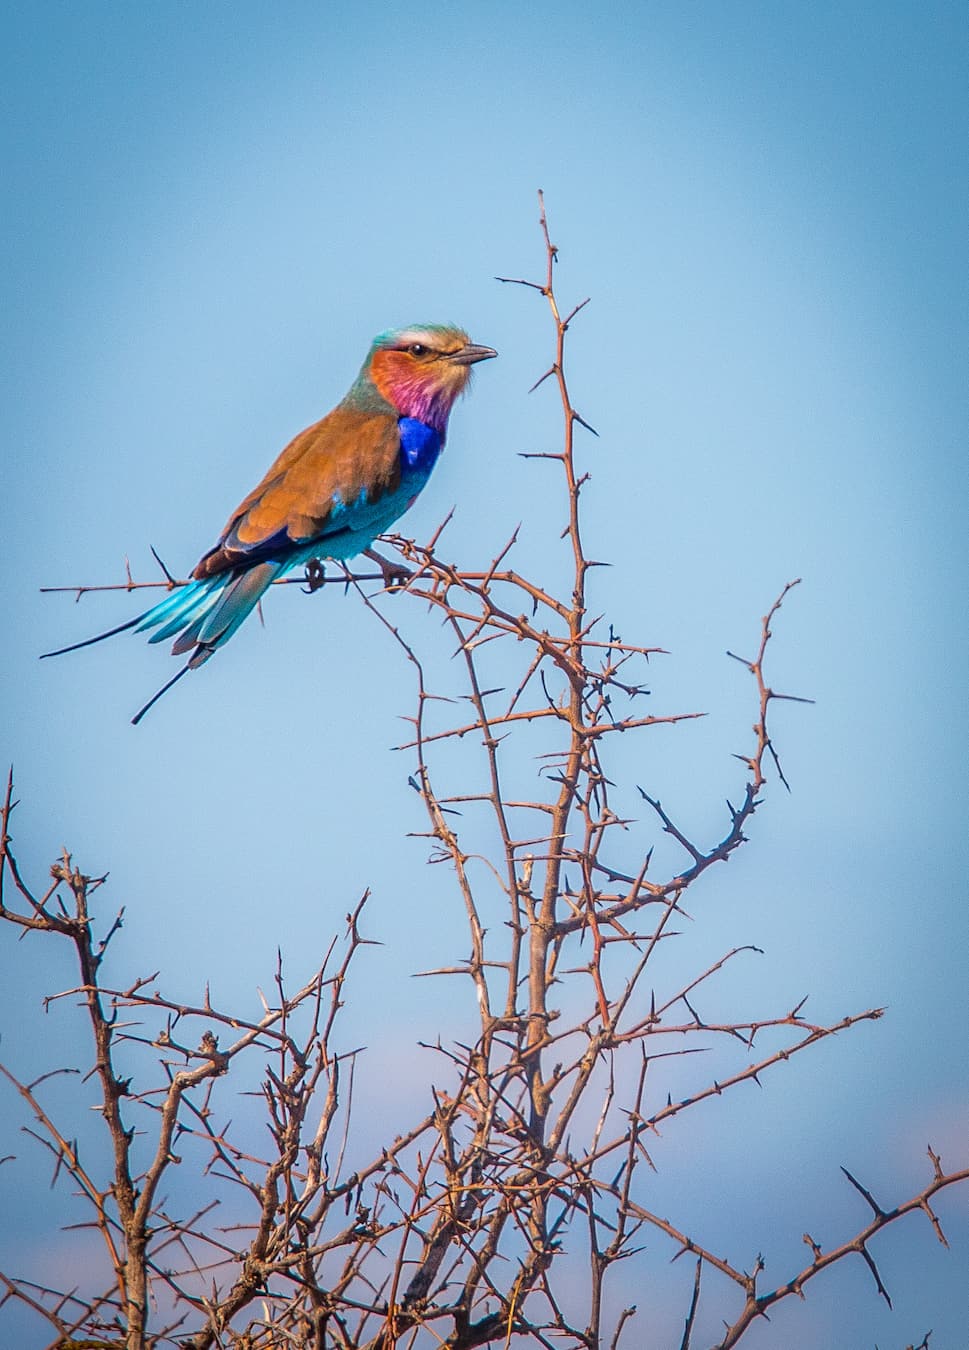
pixel 315 574
pixel 395 574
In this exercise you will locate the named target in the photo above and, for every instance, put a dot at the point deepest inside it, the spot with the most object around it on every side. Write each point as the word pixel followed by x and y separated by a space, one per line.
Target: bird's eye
pixel 417 349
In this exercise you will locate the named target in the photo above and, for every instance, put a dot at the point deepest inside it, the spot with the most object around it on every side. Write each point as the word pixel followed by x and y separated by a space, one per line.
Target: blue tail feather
pixel 202 616
pixel 188 637
pixel 192 607
pixel 238 599
pixel 89 642
pixel 163 690
pixel 170 604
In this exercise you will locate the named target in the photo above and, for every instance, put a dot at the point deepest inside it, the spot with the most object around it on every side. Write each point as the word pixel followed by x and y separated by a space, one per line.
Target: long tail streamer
pixel 201 616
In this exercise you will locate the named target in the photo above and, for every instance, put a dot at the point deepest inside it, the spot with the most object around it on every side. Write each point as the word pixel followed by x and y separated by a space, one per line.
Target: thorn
pixel 879 1212
pixel 542 378
pixel 583 423
pixel 168 576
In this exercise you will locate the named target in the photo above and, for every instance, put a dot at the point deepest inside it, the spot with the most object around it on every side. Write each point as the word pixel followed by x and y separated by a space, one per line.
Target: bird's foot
pixel 315 575
pixel 395 574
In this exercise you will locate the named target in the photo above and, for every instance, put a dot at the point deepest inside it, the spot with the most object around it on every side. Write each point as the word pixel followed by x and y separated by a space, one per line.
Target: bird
pixel 329 493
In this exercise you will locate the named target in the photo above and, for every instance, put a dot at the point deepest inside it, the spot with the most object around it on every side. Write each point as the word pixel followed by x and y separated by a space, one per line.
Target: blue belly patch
pixel 420 446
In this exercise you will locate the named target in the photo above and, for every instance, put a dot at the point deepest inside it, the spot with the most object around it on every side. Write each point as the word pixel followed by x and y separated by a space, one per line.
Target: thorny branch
pixel 457 1232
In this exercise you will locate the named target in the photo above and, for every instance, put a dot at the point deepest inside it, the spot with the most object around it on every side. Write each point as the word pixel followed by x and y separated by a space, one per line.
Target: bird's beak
pixel 469 354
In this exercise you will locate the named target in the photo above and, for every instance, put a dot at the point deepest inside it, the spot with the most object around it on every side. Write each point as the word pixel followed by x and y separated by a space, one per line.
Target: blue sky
pixel 211 210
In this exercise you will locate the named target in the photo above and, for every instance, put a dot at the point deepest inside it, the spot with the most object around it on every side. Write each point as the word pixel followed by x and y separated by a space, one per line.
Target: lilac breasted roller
pixel 334 488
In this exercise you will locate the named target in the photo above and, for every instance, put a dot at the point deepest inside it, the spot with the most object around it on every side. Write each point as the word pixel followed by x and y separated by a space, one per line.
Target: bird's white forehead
pixel 438 336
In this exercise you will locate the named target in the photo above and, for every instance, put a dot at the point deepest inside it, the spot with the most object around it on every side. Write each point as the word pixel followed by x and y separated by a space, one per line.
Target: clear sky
pixel 210 210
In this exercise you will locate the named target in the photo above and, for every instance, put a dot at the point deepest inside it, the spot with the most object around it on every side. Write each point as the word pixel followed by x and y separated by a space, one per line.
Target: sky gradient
pixel 209 213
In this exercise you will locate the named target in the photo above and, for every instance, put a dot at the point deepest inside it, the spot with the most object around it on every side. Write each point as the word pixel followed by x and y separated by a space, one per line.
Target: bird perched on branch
pixel 335 487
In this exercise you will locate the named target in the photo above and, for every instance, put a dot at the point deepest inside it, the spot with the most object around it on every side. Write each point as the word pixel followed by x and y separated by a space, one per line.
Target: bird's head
pixel 422 370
